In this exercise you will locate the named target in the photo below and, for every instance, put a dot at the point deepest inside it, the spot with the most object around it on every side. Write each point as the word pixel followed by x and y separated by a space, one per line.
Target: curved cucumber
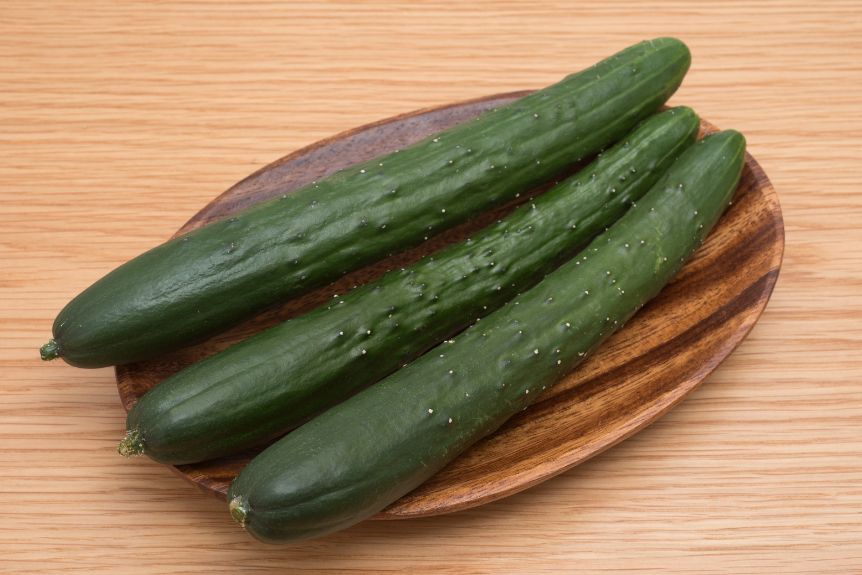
pixel 355 459
pixel 272 382
pixel 194 286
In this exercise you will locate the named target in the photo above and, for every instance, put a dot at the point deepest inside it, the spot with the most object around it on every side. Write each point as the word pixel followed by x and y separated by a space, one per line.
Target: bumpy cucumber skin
pixel 272 382
pixel 353 460
pixel 199 284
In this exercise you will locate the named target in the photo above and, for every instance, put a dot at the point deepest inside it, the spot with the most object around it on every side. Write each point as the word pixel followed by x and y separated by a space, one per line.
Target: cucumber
pixel 358 457
pixel 207 280
pixel 272 382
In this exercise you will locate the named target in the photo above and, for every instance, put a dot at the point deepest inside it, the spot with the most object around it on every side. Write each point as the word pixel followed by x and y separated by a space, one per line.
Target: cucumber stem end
pixel 238 510
pixel 132 444
pixel 50 350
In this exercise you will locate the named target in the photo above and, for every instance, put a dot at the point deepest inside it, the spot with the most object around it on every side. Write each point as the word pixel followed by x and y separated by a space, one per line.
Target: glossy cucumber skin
pixel 356 458
pixel 199 284
pixel 270 383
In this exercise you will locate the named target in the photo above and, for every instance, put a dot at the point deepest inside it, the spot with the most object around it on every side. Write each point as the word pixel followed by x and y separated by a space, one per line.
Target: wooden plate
pixel 637 376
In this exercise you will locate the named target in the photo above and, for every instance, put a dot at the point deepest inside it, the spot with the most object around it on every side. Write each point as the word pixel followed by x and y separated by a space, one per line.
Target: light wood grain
pixel 119 120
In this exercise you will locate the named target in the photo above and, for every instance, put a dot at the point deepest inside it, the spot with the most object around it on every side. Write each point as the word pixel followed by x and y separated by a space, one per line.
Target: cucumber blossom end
pixel 132 444
pixel 50 350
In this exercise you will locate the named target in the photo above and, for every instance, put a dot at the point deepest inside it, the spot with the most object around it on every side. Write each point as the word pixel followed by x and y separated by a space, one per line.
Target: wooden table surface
pixel 118 120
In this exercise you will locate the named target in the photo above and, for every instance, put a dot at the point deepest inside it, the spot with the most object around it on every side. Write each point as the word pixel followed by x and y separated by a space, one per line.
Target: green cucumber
pixel 270 383
pixel 205 281
pixel 358 457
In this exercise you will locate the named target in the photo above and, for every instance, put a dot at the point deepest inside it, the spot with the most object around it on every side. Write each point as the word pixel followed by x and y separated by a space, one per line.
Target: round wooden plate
pixel 648 367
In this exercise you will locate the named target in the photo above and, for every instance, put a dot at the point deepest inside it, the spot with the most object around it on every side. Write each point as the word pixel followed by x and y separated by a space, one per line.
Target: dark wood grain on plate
pixel 639 374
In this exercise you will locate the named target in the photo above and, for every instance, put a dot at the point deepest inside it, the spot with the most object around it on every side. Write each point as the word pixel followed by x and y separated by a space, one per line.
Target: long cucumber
pixel 272 382
pixel 356 458
pixel 203 282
